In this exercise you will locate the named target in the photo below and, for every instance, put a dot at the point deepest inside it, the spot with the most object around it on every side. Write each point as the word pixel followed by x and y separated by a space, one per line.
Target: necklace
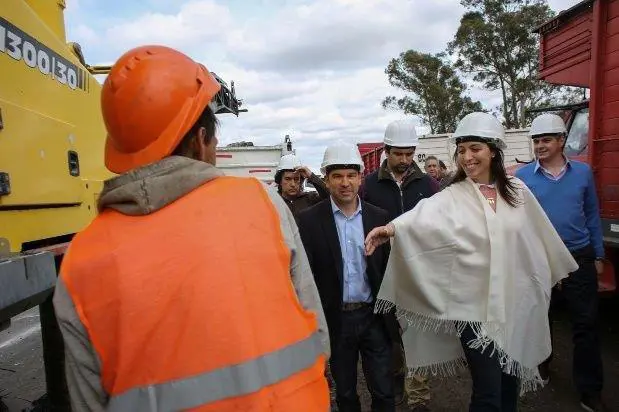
pixel 489 193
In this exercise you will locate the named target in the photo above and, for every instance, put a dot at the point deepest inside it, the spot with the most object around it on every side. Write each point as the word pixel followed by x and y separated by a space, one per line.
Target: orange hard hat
pixel 151 98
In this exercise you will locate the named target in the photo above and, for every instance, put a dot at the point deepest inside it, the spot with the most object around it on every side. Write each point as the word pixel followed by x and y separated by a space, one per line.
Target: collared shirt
pixel 352 237
pixel 570 202
pixel 404 175
pixel 547 173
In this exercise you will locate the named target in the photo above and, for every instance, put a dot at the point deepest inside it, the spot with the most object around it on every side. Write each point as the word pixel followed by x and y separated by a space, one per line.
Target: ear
pixel 199 141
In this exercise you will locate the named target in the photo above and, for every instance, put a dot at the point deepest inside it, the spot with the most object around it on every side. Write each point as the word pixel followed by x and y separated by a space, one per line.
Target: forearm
pixel 300 270
pixel 82 366
pixel 319 185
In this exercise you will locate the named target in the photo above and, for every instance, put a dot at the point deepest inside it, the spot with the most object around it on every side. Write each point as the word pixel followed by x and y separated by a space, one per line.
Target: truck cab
pixel 580 47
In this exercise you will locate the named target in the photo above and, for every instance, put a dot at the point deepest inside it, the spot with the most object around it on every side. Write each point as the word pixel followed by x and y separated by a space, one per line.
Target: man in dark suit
pixel 333 233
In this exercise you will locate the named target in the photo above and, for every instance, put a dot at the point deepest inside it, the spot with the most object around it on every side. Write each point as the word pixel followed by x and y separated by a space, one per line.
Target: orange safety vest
pixel 192 307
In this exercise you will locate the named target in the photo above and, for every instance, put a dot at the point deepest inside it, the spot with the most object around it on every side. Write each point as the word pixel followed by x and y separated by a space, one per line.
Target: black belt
pixel 347 307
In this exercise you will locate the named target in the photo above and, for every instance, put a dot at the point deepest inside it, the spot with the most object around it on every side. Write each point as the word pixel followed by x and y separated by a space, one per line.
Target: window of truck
pixel 578 135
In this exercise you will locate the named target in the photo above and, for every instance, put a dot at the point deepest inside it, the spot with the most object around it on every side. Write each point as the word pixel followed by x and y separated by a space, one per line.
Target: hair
pixel 442 164
pixel 388 148
pixel 331 168
pixel 209 121
pixel 431 157
pixel 506 188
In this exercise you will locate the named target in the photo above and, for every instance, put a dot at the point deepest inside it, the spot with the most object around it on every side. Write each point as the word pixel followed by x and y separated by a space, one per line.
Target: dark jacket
pixel 444 182
pixel 320 239
pixel 307 199
pixel 380 189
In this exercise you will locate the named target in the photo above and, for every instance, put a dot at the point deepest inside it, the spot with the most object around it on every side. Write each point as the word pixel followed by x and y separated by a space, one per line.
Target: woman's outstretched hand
pixel 377 237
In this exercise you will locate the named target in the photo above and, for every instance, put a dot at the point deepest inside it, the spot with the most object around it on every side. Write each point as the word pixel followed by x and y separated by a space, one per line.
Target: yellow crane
pixel 51 161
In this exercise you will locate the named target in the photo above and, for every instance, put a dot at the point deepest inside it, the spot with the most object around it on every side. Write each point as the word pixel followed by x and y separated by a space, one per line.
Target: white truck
pixel 519 148
pixel 245 159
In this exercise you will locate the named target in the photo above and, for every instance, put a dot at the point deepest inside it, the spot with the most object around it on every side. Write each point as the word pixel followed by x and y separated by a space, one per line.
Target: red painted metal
pixel 594 80
pixel 370 153
pixel 581 47
pixel 367 147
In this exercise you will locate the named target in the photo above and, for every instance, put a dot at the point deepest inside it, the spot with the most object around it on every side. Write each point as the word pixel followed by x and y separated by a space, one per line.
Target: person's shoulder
pixel 314 210
pixel 374 210
pixel 580 166
pixel 525 170
pixel 516 180
pixel 372 177
pixel 434 183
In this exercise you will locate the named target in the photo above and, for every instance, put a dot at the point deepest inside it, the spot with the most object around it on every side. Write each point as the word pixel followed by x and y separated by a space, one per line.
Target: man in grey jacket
pixel 149 184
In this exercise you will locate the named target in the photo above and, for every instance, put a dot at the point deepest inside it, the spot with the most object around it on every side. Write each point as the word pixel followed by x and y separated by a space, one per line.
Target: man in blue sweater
pixel 566 190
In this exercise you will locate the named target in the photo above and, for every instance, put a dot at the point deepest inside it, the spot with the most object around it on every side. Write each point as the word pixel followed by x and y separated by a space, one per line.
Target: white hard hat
pixel 547 123
pixel 481 125
pixel 401 133
pixel 288 162
pixel 341 153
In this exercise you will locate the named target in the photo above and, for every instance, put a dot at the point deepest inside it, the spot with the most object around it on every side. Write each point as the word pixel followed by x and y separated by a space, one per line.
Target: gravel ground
pixel 22 379
pixel 453 394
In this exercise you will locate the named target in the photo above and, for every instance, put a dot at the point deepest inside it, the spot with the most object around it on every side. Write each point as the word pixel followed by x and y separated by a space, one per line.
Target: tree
pixel 496 45
pixel 435 93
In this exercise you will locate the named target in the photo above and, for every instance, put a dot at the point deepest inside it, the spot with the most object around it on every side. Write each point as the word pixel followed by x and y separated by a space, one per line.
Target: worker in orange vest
pixel 178 296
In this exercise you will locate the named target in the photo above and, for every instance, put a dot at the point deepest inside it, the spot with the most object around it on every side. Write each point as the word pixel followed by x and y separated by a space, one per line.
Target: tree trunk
pixel 523 117
pixel 505 114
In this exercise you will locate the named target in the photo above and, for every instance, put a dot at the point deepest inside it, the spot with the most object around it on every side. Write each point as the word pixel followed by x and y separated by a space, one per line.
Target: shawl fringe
pixel 529 378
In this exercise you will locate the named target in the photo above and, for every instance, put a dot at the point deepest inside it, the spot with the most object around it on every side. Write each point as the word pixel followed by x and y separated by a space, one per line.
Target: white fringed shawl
pixel 455 262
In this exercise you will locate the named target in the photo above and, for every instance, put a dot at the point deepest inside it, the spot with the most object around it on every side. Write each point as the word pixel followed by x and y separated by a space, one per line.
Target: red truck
pixel 580 47
pixel 370 153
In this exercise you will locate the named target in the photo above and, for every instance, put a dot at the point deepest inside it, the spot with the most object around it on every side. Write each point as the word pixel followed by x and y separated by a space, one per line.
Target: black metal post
pixel 53 354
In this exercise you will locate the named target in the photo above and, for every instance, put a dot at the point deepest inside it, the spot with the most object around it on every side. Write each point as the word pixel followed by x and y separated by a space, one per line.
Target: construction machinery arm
pixel 224 102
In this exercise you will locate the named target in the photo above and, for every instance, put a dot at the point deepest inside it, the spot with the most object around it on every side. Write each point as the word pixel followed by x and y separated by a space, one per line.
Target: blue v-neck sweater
pixel 570 202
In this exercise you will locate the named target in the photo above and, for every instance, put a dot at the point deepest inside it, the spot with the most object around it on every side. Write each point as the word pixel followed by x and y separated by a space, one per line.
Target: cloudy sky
pixel 311 69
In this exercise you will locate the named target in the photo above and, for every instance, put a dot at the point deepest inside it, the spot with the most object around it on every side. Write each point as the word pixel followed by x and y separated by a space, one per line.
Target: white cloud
pixel 311 69
pixel 343 34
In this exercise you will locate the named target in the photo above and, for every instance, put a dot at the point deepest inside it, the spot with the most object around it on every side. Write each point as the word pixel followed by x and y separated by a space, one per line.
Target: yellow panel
pixel 34 152
pixel 50 104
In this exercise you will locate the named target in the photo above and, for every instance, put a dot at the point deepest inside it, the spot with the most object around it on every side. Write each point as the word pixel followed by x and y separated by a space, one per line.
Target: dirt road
pixel 22 379
pixel 452 395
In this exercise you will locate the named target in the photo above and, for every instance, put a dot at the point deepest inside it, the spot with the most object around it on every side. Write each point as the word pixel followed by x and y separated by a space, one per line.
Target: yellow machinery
pixel 51 160
pixel 52 135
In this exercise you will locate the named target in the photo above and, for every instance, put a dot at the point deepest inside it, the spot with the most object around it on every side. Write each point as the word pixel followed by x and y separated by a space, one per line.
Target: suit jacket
pixel 320 239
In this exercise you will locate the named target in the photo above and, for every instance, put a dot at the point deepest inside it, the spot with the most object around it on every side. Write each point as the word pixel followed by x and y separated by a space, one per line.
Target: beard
pixel 400 168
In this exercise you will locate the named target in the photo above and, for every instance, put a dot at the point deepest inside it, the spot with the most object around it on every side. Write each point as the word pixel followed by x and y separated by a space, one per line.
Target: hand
pixel 304 172
pixel 599 267
pixel 377 237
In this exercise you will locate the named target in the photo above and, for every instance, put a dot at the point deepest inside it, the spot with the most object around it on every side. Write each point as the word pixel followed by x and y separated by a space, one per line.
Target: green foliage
pixel 495 45
pixel 435 93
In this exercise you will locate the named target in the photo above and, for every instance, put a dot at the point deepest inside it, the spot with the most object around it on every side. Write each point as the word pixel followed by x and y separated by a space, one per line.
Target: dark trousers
pixel 493 390
pixel 579 291
pixel 363 333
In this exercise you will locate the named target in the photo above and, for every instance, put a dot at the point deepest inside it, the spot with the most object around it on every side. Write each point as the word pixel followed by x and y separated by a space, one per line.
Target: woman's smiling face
pixel 475 158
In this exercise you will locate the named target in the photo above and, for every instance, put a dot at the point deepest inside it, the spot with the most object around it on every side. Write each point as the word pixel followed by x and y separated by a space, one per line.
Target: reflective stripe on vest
pixel 223 383
pixel 193 306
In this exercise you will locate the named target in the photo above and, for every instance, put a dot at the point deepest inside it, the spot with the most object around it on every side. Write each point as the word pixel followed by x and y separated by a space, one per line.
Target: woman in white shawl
pixel 471 270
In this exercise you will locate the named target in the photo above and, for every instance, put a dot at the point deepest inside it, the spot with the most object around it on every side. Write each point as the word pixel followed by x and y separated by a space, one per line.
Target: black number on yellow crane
pixel 19 45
